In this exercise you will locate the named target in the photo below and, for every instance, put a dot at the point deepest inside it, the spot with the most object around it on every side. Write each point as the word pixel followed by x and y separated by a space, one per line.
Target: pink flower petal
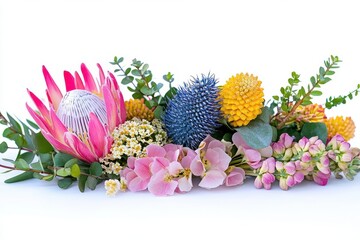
pixel 137 184
pixel 197 167
pixel 159 185
pixel 78 82
pixel 90 84
pixel 111 110
pixel 216 144
pixel 154 150
pixel 142 167
pixel 97 136
pixel 69 81
pixel 236 177
pixel 53 91
pixel 258 183
pixel 212 179
pixel 159 163
pixel 79 147
pixel 174 168
pixel 185 184
pixel 290 168
pixel 101 74
pixel 40 106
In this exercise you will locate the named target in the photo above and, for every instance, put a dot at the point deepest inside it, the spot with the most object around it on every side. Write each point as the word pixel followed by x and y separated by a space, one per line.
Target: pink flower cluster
pixel 169 169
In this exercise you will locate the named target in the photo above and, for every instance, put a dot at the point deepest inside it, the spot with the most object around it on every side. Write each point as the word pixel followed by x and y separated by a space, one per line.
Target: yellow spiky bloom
pixel 137 108
pixel 344 126
pixel 241 99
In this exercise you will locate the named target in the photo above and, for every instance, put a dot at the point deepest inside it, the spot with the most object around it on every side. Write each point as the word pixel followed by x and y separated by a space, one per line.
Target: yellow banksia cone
pixel 241 99
pixel 137 108
pixel 340 125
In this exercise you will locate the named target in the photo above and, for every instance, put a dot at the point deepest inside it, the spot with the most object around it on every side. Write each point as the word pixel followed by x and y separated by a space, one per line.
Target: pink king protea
pixel 81 121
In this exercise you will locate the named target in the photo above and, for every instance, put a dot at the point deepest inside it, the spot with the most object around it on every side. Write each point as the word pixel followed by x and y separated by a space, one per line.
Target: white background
pixel 267 38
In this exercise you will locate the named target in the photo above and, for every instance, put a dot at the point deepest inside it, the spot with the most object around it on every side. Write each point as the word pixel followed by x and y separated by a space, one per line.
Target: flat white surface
pixel 267 38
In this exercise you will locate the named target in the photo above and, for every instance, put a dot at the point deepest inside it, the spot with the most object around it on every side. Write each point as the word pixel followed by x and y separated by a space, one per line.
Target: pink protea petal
pixel 58 128
pixel 160 185
pixel 122 108
pixel 97 136
pixel 142 167
pixel 101 74
pixel 90 84
pixel 111 110
pixel 43 124
pixel 79 147
pixel 59 145
pixel 40 106
pixel 78 82
pixel 235 177
pixel 212 179
pixel 154 150
pixel 69 81
pixel 53 92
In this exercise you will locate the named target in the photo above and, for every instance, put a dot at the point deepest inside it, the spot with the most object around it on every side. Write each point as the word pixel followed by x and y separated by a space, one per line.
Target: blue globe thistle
pixel 194 112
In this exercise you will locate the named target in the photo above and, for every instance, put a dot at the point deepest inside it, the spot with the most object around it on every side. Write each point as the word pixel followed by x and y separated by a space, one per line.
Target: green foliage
pixel 21 177
pixel 311 129
pixel 142 85
pixel 258 133
pixel 342 99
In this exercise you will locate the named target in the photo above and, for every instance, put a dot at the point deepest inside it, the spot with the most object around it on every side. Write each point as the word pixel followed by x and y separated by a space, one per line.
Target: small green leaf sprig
pixel 140 82
pixel 36 158
pixel 292 96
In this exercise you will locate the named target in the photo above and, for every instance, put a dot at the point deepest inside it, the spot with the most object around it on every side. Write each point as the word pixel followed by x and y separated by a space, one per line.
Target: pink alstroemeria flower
pixel 211 163
pixel 81 121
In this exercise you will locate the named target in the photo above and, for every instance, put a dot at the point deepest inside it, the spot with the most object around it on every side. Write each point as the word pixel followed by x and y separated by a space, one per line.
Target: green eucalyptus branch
pixel 336 101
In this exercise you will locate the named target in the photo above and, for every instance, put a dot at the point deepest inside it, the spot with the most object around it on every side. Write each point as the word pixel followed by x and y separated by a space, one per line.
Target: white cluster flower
pixel 130 140
pixel 112 186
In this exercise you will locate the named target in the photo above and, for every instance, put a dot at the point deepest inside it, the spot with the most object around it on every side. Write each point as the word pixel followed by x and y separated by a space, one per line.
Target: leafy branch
pixel 143 86
pixel 335 101
pixel 304 96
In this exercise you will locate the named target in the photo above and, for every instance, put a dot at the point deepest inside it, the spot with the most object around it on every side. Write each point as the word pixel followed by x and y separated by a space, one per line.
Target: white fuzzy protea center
pixel 75 108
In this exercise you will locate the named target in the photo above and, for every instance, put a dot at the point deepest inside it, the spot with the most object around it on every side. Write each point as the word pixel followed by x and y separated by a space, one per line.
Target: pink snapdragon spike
pixel 266 174
pixel 211 163
pixel 80 121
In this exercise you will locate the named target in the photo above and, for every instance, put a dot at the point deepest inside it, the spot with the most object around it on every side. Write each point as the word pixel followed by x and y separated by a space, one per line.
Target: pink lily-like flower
pixel 81 121
pixel 211 163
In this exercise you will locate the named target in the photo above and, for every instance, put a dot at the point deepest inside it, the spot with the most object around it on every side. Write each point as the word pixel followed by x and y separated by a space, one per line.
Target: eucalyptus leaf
pixel 21 177
pixel 256 134
pixel 65 183
pixel 96 169
pixel 159 112
pixel 41 144
pixel 75 171
pixel 311 129
pixel 63 172
pixel 91 182
pixel 15 125
pixel 265 115
pixel 61 158
pixel 21 164
pixel 3 147
pixel 82 182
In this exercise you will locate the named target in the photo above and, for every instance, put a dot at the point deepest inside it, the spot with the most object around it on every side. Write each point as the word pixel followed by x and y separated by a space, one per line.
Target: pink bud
pixel 344 146
pixel 283 185
pixel 258 182
pixel 235 177
pixel 278 148
pixel 304 144
pixel 286 139
pixel 290 181
pixel 290 168
pixel 306 157
pixel 268 178
pixel 346 157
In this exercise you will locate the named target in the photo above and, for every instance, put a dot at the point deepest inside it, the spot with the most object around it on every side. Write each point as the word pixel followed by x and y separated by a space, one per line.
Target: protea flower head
pixel 309 113
pixel 81 121
pixel 194 112
pixel 241 99
pixel 344 126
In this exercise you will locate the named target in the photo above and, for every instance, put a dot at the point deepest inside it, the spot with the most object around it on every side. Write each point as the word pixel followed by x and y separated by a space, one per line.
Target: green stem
pixel 298 103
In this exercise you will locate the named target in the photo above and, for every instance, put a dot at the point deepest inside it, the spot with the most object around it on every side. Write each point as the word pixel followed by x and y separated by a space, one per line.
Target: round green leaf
pixel 256 134
pixel 3 147
pixel 65 183
pixel 75 171
pixel 319 129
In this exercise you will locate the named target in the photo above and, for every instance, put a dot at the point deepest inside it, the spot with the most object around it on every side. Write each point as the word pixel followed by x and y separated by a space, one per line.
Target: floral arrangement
pixel 163 138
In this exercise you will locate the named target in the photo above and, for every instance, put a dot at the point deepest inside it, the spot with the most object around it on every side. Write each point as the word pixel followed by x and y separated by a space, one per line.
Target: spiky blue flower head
pixel 194 112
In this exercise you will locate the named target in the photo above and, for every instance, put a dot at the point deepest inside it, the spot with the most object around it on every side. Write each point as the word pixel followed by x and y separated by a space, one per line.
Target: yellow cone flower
pixel 340 125
pixel 241 99
pixel 137 108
